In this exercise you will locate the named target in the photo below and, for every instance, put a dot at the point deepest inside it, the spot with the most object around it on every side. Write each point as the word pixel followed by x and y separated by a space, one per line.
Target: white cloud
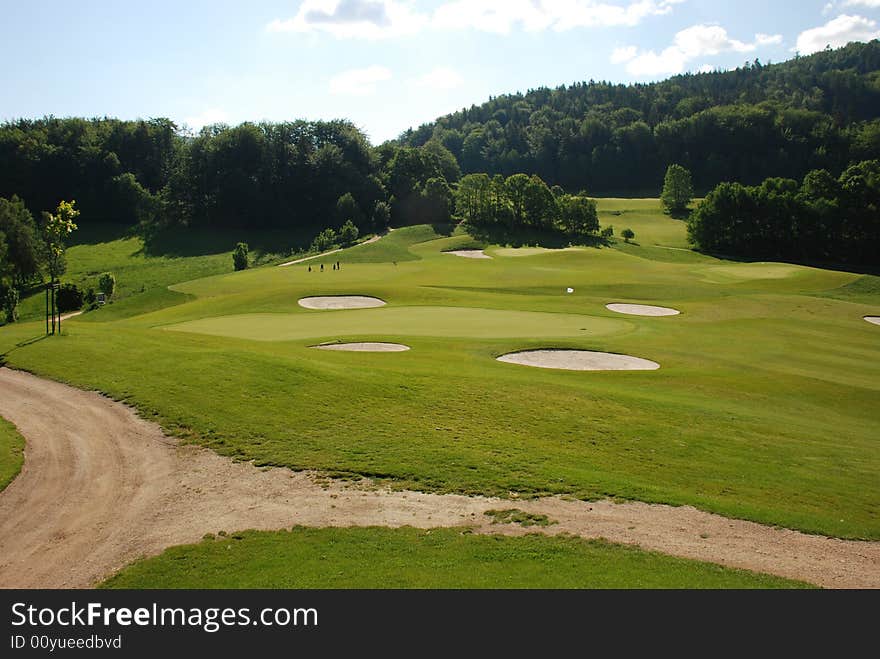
pixel 377 19
pixel 207 118
pixel 441 78
pixel 836 33
pixel 359 82
pixel 501 16
pixel 870 4
pixel 768 39
pixel 694 42
pixel 623 55
pixel 360 19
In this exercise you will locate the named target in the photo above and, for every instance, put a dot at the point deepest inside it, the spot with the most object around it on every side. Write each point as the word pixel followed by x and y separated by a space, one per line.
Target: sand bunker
pixel 469 253
pixel 341 302
pixel 642 310
pixel 363 347
pixel 873 319
pixel 579 360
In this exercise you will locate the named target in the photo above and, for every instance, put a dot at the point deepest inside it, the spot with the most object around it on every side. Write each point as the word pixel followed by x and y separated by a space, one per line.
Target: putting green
pixel 724 274
pixel 405 321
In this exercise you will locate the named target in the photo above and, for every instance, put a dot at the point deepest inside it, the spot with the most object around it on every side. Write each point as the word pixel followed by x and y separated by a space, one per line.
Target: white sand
pixel 363 347
pixel 341 302
pixel 469 253
pixel 579 360
pixel 873 319
pixel 642 310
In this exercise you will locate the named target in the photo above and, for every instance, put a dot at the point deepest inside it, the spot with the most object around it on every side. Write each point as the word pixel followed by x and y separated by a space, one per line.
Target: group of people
pixel 336 266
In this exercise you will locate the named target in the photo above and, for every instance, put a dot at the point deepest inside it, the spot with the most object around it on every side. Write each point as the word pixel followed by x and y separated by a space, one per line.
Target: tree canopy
pixel 678 189
pixel 755 122
pixel 822 219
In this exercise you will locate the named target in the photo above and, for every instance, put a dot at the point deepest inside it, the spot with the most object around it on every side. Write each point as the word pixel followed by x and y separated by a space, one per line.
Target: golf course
pixel 755 404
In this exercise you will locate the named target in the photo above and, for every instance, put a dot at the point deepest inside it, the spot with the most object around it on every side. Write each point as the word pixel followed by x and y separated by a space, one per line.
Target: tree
pixel 107 284
pixel 348 233
pixel 56 228
pixel 627 235
pixel 347 209
pixel 439 201
pixel 516 190
pixel 678 190
pixel 22 258
pixel 381 216
pixel 607 233
pixel 240 257
pixel 445 161
pixel 539 204
pixel 324 240
pixel 472 198
pixel 578 216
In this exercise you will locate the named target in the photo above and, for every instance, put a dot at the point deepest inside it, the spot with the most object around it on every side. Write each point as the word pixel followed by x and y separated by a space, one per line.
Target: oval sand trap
pixel 341 302
pixel 469 253
pixel 363 347
pixel 579 360
pixel 873 319
pixel 642 310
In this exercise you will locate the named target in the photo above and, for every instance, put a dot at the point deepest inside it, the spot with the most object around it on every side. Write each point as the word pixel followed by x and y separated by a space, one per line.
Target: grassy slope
pixel 412 558
pixel 11 453
pixel 765 406
pixel 142 278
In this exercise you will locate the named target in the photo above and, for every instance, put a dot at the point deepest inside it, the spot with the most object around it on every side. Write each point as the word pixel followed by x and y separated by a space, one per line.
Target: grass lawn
pixel 764 408
pixel 143 276
pixel 413 558
pixel 11 453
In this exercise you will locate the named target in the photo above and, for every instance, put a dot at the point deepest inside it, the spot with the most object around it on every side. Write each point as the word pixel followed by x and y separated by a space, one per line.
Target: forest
pixel 755 122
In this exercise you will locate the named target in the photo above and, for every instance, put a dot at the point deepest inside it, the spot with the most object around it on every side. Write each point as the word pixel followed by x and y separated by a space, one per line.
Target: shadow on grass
pixel 21 344
pixel 102 232
pixel 684 215
pixel 204 241
pixel 531 237
pixel 852 268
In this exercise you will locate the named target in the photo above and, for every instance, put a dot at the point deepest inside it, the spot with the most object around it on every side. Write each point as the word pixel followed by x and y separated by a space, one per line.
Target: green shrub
pixel 9 300
pixel 107 284
pixel 240 256
pixel 324 240
pixel 70 298
pixel 348 233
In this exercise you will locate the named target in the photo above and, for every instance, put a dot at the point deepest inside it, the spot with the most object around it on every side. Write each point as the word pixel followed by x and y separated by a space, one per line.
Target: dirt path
pixel 101 487
pixel 334 251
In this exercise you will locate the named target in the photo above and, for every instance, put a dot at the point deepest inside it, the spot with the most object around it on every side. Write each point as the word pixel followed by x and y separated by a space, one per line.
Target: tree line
pixel 296 175
pixel 822 219
pixel 755 122
pixel 524 202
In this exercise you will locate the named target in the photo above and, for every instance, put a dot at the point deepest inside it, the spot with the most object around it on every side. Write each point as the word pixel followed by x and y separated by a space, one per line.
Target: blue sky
pixel 385 64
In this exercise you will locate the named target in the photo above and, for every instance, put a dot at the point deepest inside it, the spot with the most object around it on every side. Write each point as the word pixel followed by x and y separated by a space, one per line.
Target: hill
pixel 758 121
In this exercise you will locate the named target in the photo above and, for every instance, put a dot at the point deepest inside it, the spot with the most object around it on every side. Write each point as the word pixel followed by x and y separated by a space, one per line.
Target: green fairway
pixel 765 407
pixel 11 453
pixel 412 558
pixel 404 321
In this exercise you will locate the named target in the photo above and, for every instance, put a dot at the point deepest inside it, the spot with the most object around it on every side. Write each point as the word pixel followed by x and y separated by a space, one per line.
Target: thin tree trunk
pixel 53 306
